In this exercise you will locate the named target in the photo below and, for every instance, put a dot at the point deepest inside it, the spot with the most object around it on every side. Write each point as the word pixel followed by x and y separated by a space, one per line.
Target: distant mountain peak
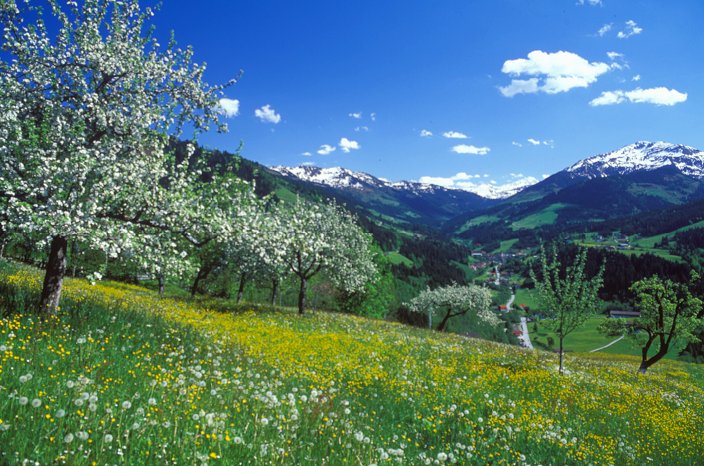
pixel 642 155
pixel 342 178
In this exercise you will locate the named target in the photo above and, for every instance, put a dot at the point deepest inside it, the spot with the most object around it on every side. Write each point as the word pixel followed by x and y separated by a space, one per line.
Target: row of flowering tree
pixel 87 107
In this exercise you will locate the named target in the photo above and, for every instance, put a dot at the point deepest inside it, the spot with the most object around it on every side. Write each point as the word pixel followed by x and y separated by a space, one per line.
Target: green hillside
pixel 121 377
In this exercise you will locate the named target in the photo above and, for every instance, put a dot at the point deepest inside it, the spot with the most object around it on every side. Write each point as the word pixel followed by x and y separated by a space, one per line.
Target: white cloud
pixel 608 98
pixel 657 96
pixel 361 128
pixel 454 135
pixel 631 29
pixel 229 107
pixel 538 142
pixel 308 164
pixel 347 145
pixel 448 182
pixel 326 149
pixel 520 86
pixel 654 95
pixel 267 114
pixel 554 73
pixel 355 115
pixel 372 116
pixel 636 78
pixel 604 29
pixel 589 2
pixel 307 154
pixel 424 133
pixel 618 60
pixel 517 144
pixel 469 149
pixel 488 188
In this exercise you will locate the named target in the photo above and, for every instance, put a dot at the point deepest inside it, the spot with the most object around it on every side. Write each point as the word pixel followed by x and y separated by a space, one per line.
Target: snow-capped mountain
pixel 642 155
pixel 495 191
pixel 340 178
pixel 405 202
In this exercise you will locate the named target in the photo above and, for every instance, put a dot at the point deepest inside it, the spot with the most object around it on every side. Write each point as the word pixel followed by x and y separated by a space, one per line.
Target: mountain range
pixel 400 203
pixel 639 177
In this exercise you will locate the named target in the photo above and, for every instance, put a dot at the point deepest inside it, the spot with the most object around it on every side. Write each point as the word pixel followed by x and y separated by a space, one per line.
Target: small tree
pixel 455 300
pixel 324 237
pixel 668 317
pixel 569 297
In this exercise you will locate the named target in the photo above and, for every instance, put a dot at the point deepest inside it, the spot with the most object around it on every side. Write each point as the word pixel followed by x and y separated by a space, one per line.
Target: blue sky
pixel 533 85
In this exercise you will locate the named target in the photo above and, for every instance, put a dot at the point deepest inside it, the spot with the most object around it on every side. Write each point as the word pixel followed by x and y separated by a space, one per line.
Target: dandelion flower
pixel 36 403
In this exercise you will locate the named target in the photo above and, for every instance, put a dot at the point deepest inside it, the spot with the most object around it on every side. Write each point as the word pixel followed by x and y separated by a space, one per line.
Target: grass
pixel 529 297
pixel 397 258
pixel 122 377
pixel 478 220
pixel 588 338
pixel 637 246
pixel 547 216
pixel 584 339
pixel 505 245
pixel 650 241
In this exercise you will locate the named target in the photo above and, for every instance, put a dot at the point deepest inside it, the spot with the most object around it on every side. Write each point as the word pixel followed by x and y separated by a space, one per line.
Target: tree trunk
pixel 274 291
pixel 302 297
pixel 53 277
pixel 240 291
pixel 74 253
pixel 562 353
pixel 201 275
pixel 441 327
pixel 160 277
pixel 646 363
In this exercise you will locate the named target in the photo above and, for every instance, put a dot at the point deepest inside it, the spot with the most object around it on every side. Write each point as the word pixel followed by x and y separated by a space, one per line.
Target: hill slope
pixel 273 388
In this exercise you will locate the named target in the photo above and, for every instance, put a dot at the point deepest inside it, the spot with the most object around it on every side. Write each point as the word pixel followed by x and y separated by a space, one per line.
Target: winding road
pixel 606 346
pixel 525 337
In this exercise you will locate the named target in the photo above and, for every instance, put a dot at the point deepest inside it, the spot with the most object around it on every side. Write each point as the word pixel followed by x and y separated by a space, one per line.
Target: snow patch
pixel 642 155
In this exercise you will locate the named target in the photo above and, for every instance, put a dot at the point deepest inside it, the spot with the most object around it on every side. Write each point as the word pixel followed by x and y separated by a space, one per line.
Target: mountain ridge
pixel 639 156
pixel 339 177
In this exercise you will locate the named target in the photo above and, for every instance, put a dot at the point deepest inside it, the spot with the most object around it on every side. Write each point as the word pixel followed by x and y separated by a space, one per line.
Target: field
pixel 397 258
pixel 650 241
pixel 528 297
pixel 584 339
pixel 547 216
pixel 505 246
pixel 477 221
pixel 123 377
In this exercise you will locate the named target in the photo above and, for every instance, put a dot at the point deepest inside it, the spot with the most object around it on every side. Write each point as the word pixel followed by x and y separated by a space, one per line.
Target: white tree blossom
pixel 455 300
pixel 84 116
pixel 325 237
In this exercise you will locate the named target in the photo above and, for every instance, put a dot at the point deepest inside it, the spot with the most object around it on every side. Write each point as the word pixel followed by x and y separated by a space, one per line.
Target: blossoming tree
pixel 325 237
pixel 84 118
pixel 455 300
